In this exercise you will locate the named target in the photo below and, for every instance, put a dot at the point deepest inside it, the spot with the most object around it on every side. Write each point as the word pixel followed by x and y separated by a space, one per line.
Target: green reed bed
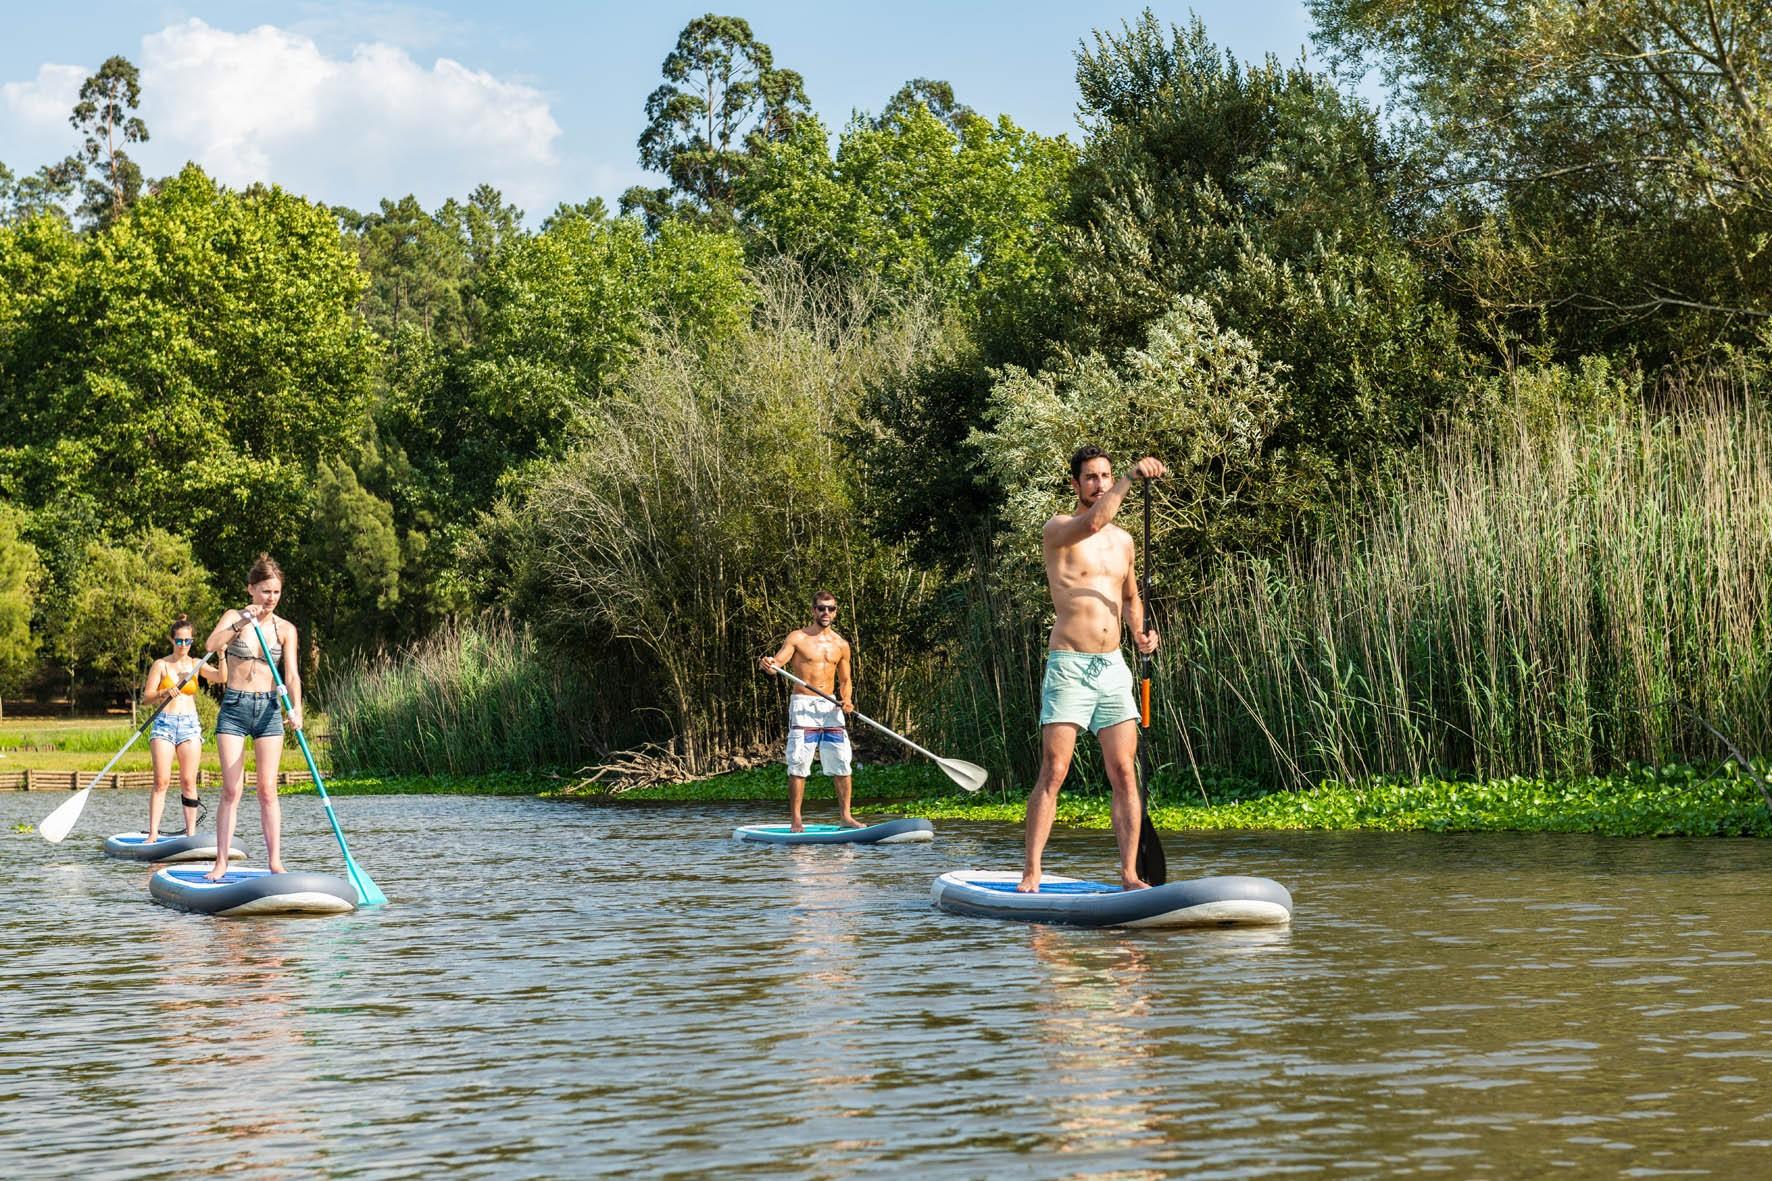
pixel 1679 800
pixel 478 697
pixel 1555 601
pixel 1637 802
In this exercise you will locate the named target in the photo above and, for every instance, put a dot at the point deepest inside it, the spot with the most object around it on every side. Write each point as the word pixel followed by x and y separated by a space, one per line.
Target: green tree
pixel 1601 174
pixel 933 95
pixel 1273 196
pixel 44 191
pixel 699 504
pixel 187 368
pixel 722 98
pixel 416 266
pixel 103 118
pixel 960 220
pixel 1196 395
pixel 353 558
pixel 423 268
pixel 967 215
pixel 567 311
pixel 21 574
pixel 125 598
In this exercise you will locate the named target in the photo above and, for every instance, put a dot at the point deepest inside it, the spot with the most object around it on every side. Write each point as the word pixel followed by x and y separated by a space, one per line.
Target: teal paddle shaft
pixel 368 893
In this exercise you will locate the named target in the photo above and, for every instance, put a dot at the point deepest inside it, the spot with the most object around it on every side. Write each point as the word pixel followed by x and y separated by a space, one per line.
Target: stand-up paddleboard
pixel 252 891
pixel 135 846
pixel 891 832
pixel 1203 902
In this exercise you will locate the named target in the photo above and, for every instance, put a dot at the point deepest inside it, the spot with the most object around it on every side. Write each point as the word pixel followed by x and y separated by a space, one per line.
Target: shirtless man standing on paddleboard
pixel 1090 572
pixel 820 657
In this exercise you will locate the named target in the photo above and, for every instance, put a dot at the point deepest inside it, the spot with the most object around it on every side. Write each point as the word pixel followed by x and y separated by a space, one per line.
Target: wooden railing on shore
pixel 132 780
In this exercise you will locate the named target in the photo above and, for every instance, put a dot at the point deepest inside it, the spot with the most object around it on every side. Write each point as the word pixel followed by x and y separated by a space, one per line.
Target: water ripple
pixel 566 991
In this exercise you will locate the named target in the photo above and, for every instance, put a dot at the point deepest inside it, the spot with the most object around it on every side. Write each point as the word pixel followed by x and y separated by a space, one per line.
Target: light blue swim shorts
pixel 1092 689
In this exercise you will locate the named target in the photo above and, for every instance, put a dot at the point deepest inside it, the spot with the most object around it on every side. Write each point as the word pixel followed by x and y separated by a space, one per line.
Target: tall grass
pixel 478 696
pixel 1549 600
pixel 697 510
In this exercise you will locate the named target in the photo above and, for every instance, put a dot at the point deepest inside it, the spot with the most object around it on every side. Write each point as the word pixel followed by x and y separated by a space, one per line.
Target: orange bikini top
pixel 167 681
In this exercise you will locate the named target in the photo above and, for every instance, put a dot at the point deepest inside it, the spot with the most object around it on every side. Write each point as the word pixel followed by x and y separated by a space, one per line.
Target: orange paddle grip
pixel 1144 703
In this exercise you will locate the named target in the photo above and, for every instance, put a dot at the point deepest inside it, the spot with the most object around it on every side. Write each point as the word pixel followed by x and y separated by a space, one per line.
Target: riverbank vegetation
pixel 1670 801
pixel 1468 430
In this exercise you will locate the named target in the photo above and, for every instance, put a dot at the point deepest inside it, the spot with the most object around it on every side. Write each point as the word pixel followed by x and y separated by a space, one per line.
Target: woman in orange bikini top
pixel 176 733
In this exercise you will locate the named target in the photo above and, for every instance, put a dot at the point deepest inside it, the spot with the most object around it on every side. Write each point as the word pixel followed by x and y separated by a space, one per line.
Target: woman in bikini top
pixel 251 708
pixel 176 732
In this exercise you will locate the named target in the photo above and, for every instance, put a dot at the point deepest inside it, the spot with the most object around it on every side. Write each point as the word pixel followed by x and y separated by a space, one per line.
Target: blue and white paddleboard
pixel 1203 902
pixel 891 832
pixel 252 891
pixel 135 846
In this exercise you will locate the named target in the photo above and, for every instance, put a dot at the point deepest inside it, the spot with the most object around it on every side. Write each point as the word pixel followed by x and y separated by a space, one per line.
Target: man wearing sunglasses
pixel 820 657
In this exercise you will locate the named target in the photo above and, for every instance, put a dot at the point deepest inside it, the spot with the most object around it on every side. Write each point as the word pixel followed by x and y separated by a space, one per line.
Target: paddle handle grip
pixel 1144 703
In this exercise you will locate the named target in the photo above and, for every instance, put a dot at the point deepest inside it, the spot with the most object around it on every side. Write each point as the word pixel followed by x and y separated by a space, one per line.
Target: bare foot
pixel 218 873
pixel 1133 882
pixel 153 838
pixel 277 867
pixel 1030 883
pixel 852 822
pixel 796 826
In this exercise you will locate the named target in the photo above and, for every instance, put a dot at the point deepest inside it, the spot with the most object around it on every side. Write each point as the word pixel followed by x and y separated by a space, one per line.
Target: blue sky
pixel 354 100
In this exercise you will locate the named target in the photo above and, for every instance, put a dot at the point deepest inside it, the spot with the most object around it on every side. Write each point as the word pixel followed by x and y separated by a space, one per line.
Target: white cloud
pixel 43 104
pixel 270 105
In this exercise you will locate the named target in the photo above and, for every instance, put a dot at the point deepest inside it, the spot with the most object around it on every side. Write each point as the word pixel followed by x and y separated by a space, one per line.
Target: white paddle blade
pixel 59 823
pixel 969 776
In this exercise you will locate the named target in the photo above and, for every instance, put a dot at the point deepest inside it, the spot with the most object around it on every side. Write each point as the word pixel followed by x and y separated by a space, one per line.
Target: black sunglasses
pixel 184 643
pixel 824 606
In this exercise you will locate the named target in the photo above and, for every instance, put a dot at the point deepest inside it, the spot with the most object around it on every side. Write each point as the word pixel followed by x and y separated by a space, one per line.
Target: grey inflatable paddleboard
pixel 252 891
pixel 135 846
pixel 891 832
pixel 1203 902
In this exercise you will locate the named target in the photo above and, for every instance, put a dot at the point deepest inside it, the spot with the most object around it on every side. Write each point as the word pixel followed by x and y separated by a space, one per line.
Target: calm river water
pixel 569 991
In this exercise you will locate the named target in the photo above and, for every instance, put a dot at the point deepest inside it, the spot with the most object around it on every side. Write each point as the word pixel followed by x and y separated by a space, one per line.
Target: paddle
pixel 1152 864
pixel 59 823
pixel 368 893
pixel 968 775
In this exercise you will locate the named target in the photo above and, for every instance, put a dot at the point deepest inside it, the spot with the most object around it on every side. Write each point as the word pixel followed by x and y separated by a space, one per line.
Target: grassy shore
pixel 1667 801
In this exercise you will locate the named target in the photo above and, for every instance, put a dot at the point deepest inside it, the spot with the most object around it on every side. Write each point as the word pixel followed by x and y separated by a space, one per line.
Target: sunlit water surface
pixel 561 991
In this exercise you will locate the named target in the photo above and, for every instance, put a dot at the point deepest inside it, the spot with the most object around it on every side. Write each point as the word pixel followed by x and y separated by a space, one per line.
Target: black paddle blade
pixel 1152 864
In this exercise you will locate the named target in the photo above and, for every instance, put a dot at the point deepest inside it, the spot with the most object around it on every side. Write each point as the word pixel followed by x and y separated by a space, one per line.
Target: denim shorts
pixel 250 715
pixel 177 729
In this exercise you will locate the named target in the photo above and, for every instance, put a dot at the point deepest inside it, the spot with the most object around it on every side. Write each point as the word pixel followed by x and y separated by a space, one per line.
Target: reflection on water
pixel 564 991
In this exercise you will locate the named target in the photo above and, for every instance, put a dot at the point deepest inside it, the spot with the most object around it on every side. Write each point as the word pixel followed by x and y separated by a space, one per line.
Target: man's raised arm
pixel 1063 531
pixel 1060 532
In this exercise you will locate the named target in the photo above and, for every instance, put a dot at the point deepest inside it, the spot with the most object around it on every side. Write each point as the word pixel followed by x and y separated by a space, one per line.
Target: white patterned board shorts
pixel 814 724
